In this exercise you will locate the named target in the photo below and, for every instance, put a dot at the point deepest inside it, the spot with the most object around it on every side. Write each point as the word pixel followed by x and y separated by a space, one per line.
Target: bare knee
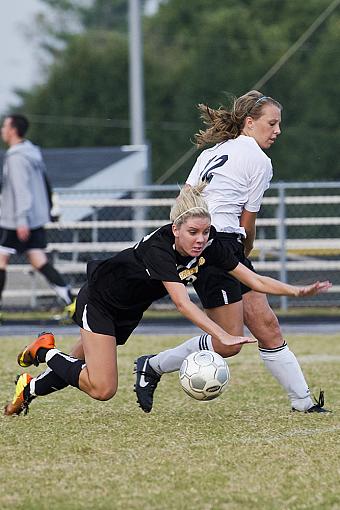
pixel 105 394
pixel 102 393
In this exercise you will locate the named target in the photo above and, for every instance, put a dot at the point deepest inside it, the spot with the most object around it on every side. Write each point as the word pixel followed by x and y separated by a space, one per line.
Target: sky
pixel 17 54
pixel 18 64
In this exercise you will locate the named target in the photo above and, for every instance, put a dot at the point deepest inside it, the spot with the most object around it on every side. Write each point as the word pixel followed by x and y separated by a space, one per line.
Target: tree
pixel 198 51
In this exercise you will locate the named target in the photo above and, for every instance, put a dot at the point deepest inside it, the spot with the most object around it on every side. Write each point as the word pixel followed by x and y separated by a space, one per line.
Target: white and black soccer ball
pixel 204 375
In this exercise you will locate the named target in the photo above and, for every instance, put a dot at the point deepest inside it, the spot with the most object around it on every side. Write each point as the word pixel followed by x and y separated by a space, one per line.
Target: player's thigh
pixel 229 317
pixel 261 320
pixel 4 259
pixel 100 353
pixel 37 257
pixel 77 350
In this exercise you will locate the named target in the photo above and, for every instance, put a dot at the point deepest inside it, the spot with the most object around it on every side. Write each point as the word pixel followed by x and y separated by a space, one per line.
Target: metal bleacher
pixel 298 235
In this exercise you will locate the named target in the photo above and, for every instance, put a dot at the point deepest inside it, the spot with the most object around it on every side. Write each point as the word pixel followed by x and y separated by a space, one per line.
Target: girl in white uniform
pixel 237 173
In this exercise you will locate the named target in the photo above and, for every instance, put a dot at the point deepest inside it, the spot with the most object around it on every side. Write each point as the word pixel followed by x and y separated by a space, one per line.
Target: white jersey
pixel 238 173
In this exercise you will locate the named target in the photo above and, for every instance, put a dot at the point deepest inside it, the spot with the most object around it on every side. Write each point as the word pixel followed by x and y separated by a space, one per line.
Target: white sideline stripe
pixel 325 358
pixel 294 433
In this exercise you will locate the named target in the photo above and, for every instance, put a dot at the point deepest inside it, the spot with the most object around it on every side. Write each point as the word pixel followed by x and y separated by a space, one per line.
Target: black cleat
pixel 146 382
pixel 318 407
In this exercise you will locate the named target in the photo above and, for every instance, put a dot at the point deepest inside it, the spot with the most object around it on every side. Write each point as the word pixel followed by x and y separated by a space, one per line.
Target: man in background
pixel 25 206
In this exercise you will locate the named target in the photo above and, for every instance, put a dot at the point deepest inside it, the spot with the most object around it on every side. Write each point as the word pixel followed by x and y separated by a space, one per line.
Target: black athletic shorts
pixel 92 316
pixel 216 287
pixel 10 243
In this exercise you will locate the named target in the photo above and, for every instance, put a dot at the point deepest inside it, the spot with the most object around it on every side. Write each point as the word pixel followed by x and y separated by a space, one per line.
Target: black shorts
pixel 92 316
pixel 216 287
pixel 10 243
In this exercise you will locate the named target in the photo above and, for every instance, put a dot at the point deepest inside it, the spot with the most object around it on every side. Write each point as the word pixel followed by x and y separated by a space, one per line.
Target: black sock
pixel 52 275
pixel 27 394
pixel 66 367
pixel 48 382
pixel 2 281
pixel 41 354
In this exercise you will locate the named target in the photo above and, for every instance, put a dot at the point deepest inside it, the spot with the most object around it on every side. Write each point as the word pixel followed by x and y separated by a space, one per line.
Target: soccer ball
pixel 204 375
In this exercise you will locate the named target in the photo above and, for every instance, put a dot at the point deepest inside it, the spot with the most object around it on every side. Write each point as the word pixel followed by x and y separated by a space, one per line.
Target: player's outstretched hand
pixel 315 288
pixel 237 340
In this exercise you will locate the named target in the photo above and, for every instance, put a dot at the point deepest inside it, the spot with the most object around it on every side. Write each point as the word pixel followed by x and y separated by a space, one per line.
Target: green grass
pixel 244 450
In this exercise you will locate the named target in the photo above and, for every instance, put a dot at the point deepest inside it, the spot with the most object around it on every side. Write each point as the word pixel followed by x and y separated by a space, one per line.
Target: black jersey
pixel 132 279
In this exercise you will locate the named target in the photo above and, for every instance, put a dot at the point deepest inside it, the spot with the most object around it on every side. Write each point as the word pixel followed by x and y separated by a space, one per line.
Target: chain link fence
pixel 298 237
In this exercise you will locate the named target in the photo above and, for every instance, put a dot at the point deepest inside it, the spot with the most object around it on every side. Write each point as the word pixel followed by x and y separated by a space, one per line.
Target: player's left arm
pixel 268 285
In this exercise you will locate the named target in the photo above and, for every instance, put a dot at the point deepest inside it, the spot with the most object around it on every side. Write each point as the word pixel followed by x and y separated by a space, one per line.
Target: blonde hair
pixel 189 203
pixel 225 124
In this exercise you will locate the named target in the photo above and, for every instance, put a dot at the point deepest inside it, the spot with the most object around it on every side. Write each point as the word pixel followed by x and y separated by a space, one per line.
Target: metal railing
pixel 298 235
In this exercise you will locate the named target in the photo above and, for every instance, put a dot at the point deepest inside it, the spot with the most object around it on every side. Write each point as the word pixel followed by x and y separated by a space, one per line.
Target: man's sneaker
pixel 146 382
pixel 19 404
pixel 70 309
pixel 28 356
pixel 318 407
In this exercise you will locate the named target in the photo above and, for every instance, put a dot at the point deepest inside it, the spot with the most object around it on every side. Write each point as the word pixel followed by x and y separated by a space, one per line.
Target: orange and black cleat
pixel 19 404
pixel 28 356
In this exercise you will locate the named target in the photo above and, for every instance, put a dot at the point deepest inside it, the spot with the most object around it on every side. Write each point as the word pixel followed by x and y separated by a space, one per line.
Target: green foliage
pixel 243 450
pixel 99 60
pixel 197 51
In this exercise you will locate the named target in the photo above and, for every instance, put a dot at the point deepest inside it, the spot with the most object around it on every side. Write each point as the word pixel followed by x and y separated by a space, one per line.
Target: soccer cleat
pixel 146 382
pixel 318 407
pixel 70 309
pixel 19 404
pixel 28 356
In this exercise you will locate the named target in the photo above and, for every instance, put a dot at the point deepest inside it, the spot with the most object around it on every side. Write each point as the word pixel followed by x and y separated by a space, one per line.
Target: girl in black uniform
pixel 118 291
pixel 112 302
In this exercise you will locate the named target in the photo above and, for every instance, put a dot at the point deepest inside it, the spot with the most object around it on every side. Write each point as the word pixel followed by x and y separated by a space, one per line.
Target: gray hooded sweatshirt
pixel 24 199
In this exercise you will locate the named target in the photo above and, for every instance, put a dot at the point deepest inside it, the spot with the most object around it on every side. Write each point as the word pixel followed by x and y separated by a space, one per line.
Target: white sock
pixel 32 387
pixel 284 366
pixel 50 353
pixel 172 359
pixel 63 293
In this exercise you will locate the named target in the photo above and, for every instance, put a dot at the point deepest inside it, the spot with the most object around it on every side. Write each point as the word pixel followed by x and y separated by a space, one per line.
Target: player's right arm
pixel 179 295
pixel 248 222
pixel 260 174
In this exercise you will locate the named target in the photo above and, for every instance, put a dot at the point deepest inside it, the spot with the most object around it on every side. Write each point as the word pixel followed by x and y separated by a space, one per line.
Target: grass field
pixel 245 450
